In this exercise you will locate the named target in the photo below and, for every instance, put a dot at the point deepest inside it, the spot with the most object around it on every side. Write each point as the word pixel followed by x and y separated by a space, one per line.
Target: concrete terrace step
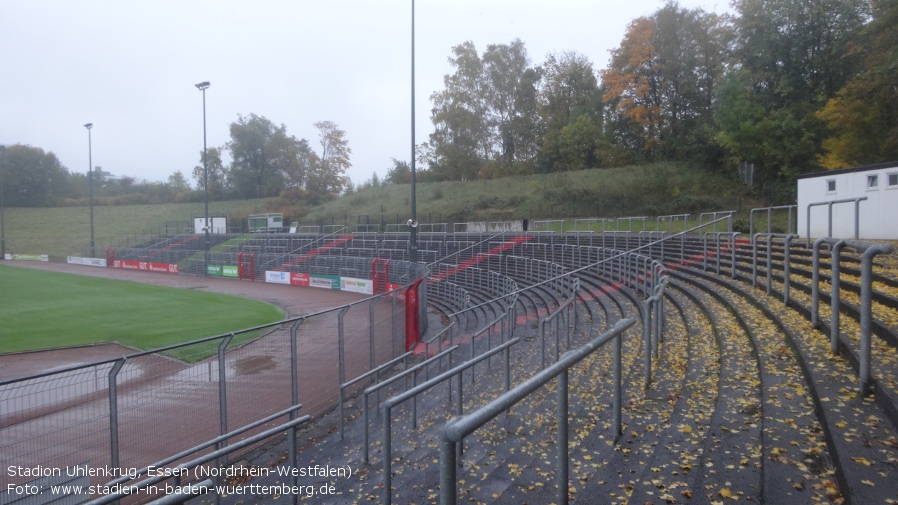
pixel 861 440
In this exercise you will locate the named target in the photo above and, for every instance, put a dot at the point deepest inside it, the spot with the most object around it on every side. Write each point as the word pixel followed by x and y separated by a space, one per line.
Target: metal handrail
pixel 364 376
pixel 869 249
pixel 202 460
pixel 459 427
pixel 410 371
pixel 415 391
pixel 829 204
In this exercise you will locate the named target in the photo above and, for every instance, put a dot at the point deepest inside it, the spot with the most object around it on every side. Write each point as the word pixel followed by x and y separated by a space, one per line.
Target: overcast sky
pixel 129 67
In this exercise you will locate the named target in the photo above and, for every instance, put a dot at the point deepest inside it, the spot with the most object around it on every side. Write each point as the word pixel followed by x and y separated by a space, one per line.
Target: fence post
pixel 835 280
pixel 387 462
pixel 647 340
pixel 113 412
pixel 867 313
pixel 618 388
pixel 341 344
pixel 448 468
pixel 223 391
pixel 786 269
pixel 562 433
pixel 371 345
pixel 815 282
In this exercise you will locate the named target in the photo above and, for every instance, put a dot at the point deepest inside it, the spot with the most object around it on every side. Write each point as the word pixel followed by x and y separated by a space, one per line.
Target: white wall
pixel 878 213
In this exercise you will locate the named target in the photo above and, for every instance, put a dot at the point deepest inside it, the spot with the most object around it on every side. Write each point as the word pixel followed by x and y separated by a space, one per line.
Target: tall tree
pixel 569 99
pixel 460 134
pixel 328 175
pixel 258 148
pixel 399 173
pixel 217 172
pixel 863 116
pixel 485 120
pixel 792 55
pixel 660 81
pixel 31 176
pixel 510 99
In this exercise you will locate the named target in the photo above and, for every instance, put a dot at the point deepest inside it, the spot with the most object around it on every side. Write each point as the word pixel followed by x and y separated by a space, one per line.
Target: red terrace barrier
pixel 411 315
pixel 380 269
pixel 246 266
pixel 483 256
pixel 314 252
pixel 110 256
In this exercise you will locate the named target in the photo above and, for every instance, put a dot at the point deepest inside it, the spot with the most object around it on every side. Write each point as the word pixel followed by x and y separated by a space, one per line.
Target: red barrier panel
pixel 110 256
pixel 246 266
pixel 380 270
pixel 411 315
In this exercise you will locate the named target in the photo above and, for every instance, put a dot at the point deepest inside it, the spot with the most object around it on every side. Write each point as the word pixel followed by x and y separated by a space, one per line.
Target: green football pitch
pixel 43 310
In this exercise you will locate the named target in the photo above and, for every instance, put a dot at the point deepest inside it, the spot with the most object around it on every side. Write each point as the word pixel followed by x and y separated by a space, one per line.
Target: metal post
pixel 562 432
pixel 867 314
pixel 341 344
pixel 618 388
pixel 203 86
pixel 113 412
pixel 388 455
pixel 769 263
pixel 835 280
pixel 90 187
pixel 448 468
pixel 222 391
pixel 786 270
pixel 647 341
pixel 413 220
pixel 815 283
pixel 371 346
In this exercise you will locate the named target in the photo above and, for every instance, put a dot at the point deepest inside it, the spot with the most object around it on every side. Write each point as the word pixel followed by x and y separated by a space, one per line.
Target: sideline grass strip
pixel 41 310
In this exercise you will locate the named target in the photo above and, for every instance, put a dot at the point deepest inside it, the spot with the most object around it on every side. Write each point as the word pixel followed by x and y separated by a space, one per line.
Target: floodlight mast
pixel 90 187
pixel 203 86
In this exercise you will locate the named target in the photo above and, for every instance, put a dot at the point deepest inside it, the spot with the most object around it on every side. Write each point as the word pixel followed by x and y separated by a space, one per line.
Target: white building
pixel 865 198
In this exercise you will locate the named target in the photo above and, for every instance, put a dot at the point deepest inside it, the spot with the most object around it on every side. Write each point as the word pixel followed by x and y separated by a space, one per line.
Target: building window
pixel 830 185
pixel 893 180
pixel 872 181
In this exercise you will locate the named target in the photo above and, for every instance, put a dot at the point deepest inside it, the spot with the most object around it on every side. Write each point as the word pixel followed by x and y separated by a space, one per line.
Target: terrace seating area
pixel 730 386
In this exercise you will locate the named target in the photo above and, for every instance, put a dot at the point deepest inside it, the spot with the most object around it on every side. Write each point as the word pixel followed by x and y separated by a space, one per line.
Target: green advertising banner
pixel 213 269
pixel 229 271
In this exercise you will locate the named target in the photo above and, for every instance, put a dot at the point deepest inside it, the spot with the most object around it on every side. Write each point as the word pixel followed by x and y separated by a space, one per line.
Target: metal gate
pixel 380 269
pixel 246 266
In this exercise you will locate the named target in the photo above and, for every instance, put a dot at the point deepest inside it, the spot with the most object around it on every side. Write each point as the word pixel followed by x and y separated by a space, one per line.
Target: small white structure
pixel 872 190
pixel 218 224
pixel 272 222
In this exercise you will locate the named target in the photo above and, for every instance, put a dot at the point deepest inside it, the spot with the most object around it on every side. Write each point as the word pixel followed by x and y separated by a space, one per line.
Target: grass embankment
pixel 42 310
pixel 650 190
pixel 65 231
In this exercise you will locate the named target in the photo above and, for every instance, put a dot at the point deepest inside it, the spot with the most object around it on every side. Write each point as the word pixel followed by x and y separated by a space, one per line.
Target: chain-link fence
pixel 123 414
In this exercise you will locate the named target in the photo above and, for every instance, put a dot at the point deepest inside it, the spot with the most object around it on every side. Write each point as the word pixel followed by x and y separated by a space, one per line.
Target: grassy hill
pixel 650 190
pixel 65 231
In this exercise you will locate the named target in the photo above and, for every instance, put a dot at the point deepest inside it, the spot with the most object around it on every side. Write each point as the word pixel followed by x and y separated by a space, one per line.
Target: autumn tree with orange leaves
pixel 660 83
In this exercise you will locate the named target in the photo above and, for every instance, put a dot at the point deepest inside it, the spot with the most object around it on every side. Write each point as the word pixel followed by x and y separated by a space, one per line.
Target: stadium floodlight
pixel 90 187
pixel 203 86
